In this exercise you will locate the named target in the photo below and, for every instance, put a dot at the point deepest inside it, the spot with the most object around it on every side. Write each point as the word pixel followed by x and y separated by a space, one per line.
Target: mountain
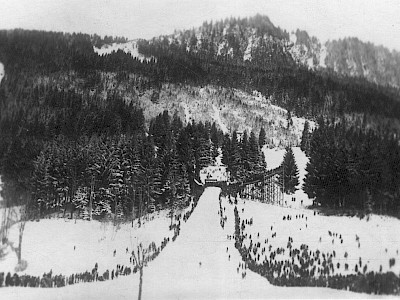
pixel 242 74
pixel 258 41
pixel 349 57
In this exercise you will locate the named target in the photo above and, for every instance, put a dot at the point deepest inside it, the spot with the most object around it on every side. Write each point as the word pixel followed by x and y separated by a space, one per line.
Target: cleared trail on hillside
pixel 177 273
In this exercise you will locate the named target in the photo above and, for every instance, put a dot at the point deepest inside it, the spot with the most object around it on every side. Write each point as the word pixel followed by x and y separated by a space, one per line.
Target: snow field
pixel 49 244
pixel 374 241
pixel 177 272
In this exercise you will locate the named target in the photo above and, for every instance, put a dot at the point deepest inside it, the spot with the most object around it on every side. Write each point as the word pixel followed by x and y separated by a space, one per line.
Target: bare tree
pixel 21 228
pixel 140 262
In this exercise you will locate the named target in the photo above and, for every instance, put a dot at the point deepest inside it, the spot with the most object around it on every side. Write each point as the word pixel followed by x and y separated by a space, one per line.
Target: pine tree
pixel 204 154
pixel 185 151
pixel 226 149
pixel 291 172
pixel 235 158
pixel 41 180
pixel 214 141
pixel 253 155
pixel 244 169
pixel 289 119
pixel 305 138
pixel 262 137
pixel 314 183
pixel 81 200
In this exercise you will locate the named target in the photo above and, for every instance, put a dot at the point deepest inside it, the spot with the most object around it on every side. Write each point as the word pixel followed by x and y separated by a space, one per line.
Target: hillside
pixel 104 143
pixel 348 57
pixel 258 42
pixel 203 253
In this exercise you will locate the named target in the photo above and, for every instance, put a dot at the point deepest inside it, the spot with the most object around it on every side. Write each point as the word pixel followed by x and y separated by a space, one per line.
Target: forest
pixel 40 118
pixel 123 175
pixel 352 168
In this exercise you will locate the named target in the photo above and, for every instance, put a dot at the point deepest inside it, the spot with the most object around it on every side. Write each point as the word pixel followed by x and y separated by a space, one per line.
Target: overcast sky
pixel 375 21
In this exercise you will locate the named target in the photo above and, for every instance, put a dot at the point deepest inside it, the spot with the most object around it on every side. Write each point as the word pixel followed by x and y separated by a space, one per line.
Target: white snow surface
pixel 2 73
pixel 49 244
pixel 187 113
pixel 196 266
pixel 130 47
pixel 247 53
pixel 378 243
pixel 217 118
pixel 322 56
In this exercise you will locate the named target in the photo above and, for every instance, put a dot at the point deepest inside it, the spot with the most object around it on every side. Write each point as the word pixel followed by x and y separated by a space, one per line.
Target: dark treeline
pixel 243 156
pixel 124 174
pixel 353 168
pixel 38 115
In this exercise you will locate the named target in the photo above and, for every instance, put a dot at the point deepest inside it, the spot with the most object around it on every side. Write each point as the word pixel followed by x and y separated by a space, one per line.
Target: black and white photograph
pixel 199 149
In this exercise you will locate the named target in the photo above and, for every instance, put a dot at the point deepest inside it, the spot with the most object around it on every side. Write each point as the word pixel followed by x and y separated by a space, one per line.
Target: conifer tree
pixel 243 171
pixel 291 172
pixel 235 158
pixel 305 138
pixel 253 155
pixel 226 149
pixel 262 137
pixel 214 141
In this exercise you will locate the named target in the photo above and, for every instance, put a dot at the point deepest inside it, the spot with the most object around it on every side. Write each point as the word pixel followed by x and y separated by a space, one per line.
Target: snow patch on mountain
pixel 293 38
pixel 247 53
pixel 130 47
pixel 352 66
pixel 322 56
pixel 188 116
pixel 217 118
pixel 310 62
pixel 221 46
pixel 2 73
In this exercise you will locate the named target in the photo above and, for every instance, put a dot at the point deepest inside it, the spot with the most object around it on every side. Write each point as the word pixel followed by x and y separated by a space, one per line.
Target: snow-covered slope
pixel 376 242
pixel 2 73
pixel 49 244
pixel 201 264
pixel 218 120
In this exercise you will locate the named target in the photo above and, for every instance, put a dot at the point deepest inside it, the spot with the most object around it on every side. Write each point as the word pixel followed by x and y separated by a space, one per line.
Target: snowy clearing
pixel 201 264
pixel 94 242
pixel 349 238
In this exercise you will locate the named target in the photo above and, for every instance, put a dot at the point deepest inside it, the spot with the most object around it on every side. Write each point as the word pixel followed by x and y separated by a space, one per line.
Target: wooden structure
pixel 266 187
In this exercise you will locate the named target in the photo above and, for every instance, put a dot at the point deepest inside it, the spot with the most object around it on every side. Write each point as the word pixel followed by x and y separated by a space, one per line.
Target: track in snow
pixel 177 274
